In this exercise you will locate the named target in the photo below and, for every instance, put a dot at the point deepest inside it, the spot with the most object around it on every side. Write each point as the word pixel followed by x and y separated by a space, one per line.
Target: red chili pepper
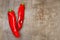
pixel 12 22
pixel 21 11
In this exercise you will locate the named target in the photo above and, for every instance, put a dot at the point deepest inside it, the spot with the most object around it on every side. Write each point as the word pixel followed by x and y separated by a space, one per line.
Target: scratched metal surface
pixel 42 19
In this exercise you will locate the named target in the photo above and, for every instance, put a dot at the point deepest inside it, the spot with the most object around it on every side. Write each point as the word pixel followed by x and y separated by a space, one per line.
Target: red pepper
pixel 21 11
pixel 12 22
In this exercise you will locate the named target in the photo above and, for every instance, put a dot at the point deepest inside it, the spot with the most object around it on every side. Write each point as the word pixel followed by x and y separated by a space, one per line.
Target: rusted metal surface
pixel 42 19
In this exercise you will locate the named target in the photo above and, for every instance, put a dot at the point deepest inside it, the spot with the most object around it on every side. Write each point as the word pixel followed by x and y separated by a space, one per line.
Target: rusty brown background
pixel 42 19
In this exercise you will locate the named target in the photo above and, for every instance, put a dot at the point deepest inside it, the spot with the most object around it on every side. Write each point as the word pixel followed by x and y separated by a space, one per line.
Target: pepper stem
pixel 22 3
pixel 10 9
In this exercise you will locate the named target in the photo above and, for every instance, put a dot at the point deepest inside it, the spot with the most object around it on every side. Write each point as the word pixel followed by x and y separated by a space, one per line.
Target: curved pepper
pixel 12 22
pixel 21 11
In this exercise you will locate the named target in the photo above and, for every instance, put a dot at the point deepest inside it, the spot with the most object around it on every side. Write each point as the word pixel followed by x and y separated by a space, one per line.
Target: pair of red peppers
pixel 16 25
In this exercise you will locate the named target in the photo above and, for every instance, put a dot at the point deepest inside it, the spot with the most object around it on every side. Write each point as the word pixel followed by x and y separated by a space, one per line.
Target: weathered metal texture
pixel 42 19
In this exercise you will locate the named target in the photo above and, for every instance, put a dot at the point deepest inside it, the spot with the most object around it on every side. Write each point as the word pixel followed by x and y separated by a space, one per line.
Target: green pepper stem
pixel 10 9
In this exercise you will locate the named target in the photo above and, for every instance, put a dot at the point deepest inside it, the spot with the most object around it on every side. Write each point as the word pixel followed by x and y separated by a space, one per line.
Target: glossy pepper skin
pixel 21 11
pixel 12 22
